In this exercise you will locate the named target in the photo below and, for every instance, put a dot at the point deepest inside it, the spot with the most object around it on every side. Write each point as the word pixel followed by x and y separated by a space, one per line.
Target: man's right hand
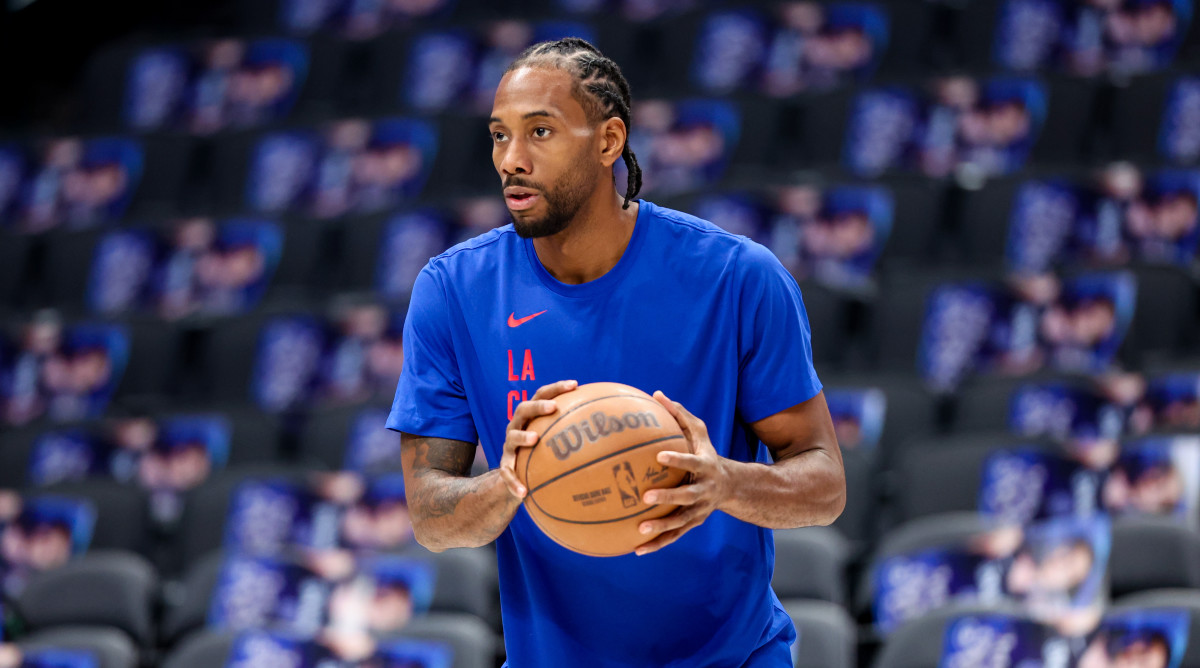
pixel 541 404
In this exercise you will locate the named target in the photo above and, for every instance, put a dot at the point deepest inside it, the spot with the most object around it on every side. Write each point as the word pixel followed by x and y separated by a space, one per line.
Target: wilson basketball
pixel 594 459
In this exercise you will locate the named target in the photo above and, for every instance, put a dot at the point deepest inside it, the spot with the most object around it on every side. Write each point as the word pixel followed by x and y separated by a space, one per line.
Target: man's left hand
pixel 709 485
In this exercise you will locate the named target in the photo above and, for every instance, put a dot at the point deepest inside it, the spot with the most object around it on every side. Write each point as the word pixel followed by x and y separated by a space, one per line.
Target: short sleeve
pixel 430 397
pixel 774 341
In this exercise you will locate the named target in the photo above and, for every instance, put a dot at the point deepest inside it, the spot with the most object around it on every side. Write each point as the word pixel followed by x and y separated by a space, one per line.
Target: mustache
pixel 519 182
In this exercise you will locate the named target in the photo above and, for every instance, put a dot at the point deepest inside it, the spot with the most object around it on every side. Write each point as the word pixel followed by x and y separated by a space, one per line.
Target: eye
pixel 541 132
pixel 498 137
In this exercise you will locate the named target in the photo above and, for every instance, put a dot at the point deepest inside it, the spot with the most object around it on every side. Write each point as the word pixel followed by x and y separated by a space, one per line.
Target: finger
pixel 528 410
pixel 662 540
pixel 687 422
pixel 671 406
pixel 684 416
pixel 687 495
pixel 675 520
pixel 554 389
pixel 519 439
pixel 682 460
pixel 510 481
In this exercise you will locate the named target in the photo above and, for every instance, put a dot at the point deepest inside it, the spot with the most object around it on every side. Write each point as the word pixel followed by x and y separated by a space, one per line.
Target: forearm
pixel 453 511
pixel 805 489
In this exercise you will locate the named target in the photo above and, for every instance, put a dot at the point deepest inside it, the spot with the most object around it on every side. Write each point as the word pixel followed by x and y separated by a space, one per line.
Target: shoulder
pixel 690 228
pixel 714 246
pixel 476 251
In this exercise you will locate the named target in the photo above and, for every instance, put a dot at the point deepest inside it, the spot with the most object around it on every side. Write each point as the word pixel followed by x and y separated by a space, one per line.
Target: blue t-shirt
pixel 710 318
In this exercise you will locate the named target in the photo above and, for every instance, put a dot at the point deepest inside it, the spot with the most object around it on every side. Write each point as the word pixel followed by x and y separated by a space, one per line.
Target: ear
pixel 612 135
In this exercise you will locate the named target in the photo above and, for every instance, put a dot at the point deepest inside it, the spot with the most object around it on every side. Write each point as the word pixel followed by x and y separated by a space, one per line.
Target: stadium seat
pixel 953 466
pixel 812 129
pixel 859 520
pixel 917 222
pixel 326 434
pixel 969 31
pixel 983 221
pixel 201 650
pixel 1186 599
pixel 911 409
pixel 14 253
pixel 302 269
pixel 225 165
pixel 828 308
pixel 1164 598
pixel 103 77
pixel 105 588
pixel 810 563
pixel 152 372
pixel 111 647
pixel 227 354
pixel 362 242
pixel 473 643
pixel 928 532
pixel 462 167
pixel 1165 318
pixel 1153 553
pixel 467 581
pixel 826 635
pixel 122 513
pixel 187 599
pixel 982 404
pixel 1067 133
pixel 68 265
pixel 919 643
pixel 255 438
pixel 205 509
pixel 167 168
pixel 896 318
pixel 16 445
pixel 1137 113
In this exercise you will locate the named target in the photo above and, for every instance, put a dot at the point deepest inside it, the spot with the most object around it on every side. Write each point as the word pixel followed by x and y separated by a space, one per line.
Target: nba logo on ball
pixel 595 458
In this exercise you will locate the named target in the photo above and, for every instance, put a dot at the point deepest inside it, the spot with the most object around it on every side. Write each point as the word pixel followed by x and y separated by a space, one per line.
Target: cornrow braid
pixel 599 87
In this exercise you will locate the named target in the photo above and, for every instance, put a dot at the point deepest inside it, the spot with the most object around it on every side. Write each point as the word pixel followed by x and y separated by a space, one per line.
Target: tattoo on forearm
pixel 449 462
pixel 443 454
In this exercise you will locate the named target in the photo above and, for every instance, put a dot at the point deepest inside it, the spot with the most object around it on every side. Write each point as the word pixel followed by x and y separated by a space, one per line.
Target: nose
pixel 514 158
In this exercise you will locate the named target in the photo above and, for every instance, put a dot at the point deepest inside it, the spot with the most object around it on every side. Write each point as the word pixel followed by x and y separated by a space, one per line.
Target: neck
pixel 592 243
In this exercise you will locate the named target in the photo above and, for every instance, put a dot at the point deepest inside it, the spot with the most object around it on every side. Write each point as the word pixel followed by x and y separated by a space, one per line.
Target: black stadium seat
pixel 918 644
pixel 939 530
pixel 201 650
pixel 953 466
pixel 122 513
pixel 1137 114
pixel 105 588
pixel 1153 553
pixel 810 563
pixel 110 647
pixel 205 509
pixel 14 253
pixel 1175 599
pixel 467 582
pixel 187 601
pixel 474 645
pixel 826 635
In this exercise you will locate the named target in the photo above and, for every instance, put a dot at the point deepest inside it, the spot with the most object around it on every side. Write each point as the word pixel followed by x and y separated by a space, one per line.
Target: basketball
pixel 594 459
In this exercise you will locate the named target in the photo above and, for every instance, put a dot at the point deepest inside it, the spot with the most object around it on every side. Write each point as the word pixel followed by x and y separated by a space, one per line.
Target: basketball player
pixel 590 286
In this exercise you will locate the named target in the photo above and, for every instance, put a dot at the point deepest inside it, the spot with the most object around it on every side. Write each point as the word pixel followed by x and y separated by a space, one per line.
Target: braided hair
pixel 598 85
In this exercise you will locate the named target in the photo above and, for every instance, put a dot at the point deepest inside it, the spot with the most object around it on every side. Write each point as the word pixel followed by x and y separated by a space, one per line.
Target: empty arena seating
pixel 992 219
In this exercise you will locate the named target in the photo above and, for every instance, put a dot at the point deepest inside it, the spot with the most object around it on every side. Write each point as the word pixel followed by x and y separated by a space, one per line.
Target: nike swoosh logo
pixel 513 321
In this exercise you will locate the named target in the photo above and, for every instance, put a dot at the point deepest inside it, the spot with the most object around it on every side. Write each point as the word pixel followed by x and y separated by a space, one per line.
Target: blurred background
pixel 212 214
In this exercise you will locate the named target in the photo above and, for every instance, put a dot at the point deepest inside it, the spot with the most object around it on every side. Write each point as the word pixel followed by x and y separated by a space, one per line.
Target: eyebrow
pixel 532 114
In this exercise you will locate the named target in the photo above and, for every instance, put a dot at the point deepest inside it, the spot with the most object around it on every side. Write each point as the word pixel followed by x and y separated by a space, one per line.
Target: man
pixel 590 286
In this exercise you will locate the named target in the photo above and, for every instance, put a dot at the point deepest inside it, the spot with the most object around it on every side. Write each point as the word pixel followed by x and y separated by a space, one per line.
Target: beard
pixel 563 202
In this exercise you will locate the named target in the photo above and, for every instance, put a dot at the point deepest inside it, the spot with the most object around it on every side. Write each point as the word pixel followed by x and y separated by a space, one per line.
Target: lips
pixel 520 198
